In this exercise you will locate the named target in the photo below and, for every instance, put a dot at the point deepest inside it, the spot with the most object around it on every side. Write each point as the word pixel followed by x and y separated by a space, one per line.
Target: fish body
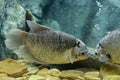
pixel 46 45
pixel 108 49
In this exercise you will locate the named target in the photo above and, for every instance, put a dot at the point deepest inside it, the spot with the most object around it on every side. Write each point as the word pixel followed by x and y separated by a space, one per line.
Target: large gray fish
pixel 108 49
pixel 46 45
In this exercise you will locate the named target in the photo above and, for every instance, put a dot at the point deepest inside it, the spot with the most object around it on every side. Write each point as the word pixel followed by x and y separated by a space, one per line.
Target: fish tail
pixel 15 38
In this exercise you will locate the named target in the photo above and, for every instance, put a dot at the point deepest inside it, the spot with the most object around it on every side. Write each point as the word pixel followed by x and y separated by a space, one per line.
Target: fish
pixel 108 48
pixel 46 45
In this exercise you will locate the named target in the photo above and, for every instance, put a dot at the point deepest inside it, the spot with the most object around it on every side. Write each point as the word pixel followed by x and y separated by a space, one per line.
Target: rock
pixel 36 77
pixel 86 70
pixel 54 72
pixel 7 78
pixel 52 78
pixel 93 75
pixel 74 16
pixel 12 15
pixel 115 2
pixel 23 61
pixel 30 67
pixel 112 77
pixel 23 78
pixel 43 72
pixel 12 68
pixel 15 18
pixel 109 69
pixel 51 23
pixel 72 74
pixel 3 75
pixel 37 9
pixel 32 72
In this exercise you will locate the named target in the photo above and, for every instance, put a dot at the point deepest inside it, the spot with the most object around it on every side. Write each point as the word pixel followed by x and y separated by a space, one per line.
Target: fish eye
pixel 78 42
pixel 82 53
pixel 96 53
pixel 108 55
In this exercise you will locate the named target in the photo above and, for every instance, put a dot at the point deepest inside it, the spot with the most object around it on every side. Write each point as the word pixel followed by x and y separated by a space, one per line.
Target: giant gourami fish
pixel 46 45
pixel 108 48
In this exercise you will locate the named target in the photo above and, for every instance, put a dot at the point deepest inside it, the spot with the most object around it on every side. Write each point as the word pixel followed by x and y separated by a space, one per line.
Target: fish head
pixel 80 50
pixel 101 54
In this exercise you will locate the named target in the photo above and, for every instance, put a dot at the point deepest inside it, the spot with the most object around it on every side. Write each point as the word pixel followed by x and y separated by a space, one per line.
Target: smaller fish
pixel 108 48
pixel 46 45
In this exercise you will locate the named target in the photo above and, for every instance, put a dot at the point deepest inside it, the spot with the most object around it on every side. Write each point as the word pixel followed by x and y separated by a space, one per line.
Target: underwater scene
pixel 59 39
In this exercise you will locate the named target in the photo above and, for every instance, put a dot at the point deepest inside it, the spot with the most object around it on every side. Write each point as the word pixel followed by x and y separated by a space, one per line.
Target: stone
pixel 12 68
pixel 52 24
pixel 3 75
pixel 112 77
pixel 115 2
pixel 52 78
pixel 86 70
pixel 32 72
pixel 15 18
pixel 12 15
pixel 24 62
pixel 23 78
pixel 36 77
pixel 73 19
pixel 54 72
pixel 93 75
pixel 7 78
pixel 109 69
pixel 37 8
pixel 72 74
pixel 43 72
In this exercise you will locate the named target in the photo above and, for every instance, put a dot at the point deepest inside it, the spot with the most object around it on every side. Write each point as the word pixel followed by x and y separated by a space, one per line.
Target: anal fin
pixel 22 52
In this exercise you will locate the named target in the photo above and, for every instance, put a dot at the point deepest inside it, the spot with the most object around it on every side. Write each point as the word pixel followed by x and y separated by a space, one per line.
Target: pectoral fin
pixel 69 58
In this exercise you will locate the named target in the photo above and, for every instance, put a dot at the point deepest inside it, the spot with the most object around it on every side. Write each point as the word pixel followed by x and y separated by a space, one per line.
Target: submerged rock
pixel 15 18
pixel 109 69
pixel 74 16
pixel 93 75
pixel 43 72
pixel 12 15
pixel 7 78
pixel 12 68
pixel 72 74
pixel 36 77
pixel 3 75
pixel 112 77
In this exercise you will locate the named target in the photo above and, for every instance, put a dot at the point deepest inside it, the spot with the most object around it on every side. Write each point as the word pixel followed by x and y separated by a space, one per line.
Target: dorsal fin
pixel 35 27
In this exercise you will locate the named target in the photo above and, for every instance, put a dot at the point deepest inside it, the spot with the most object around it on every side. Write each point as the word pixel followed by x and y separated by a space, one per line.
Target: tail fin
pixel 14 38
